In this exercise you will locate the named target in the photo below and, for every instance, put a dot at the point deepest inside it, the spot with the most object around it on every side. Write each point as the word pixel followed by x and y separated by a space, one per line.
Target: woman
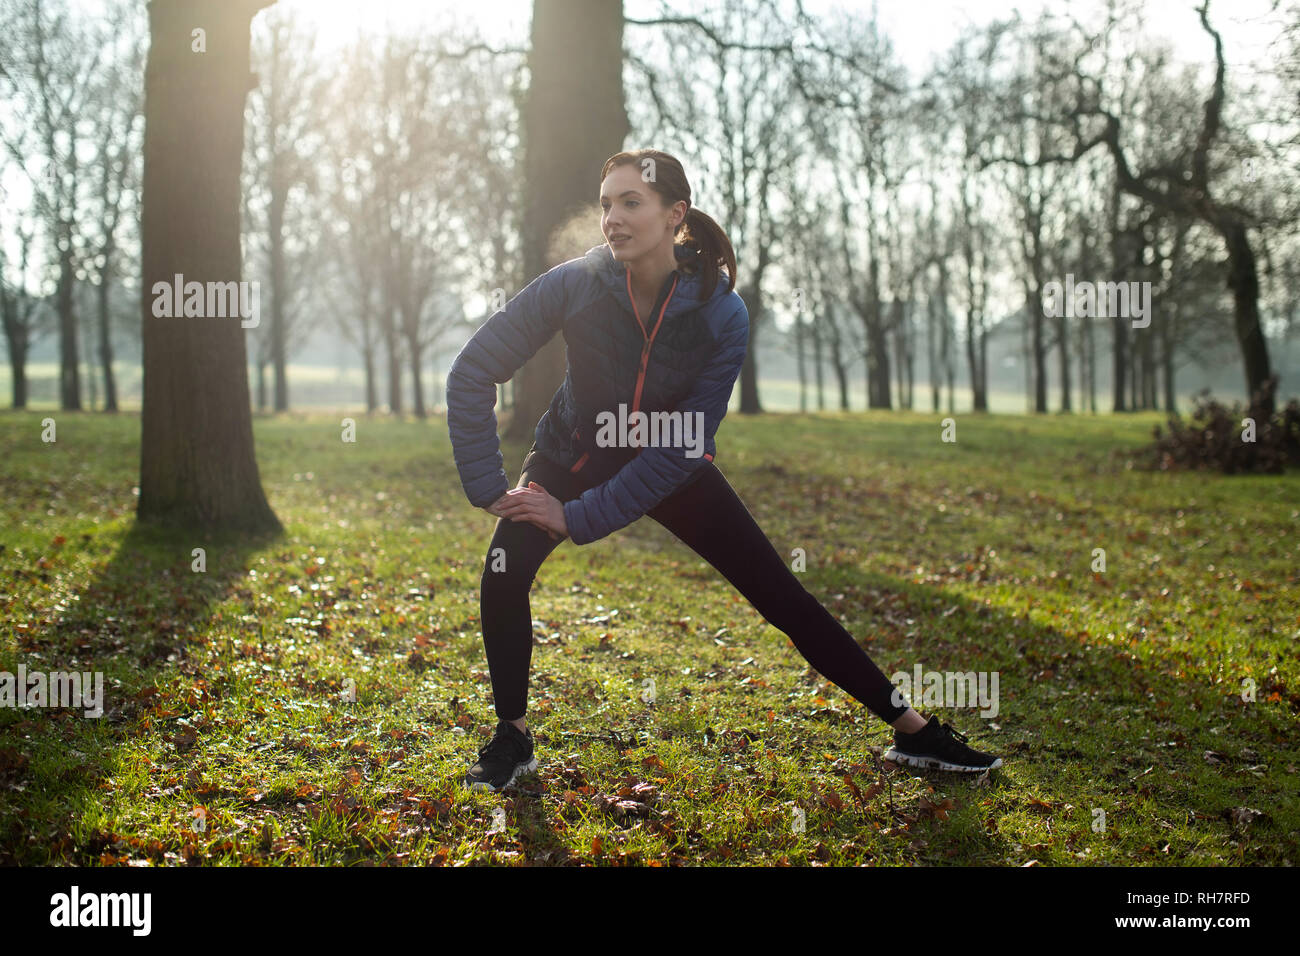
pixel 650 327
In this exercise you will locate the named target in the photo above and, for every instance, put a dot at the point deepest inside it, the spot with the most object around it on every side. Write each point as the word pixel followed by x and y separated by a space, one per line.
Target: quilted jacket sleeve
pixel 500 347
pixel 656 472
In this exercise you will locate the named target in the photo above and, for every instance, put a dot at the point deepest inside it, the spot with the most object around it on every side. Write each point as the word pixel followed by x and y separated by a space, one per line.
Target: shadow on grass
pixel 132 621
pixel 1084 724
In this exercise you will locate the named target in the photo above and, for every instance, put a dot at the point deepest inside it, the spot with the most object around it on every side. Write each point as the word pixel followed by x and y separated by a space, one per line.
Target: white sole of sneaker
pixel 934 763
pixel 521 768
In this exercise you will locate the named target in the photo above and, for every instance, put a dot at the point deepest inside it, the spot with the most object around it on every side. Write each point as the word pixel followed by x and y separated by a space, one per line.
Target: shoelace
pixel 498 744
pixel 954 732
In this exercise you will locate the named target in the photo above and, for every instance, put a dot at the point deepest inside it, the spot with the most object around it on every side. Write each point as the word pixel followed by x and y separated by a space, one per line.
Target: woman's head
pixel 644 195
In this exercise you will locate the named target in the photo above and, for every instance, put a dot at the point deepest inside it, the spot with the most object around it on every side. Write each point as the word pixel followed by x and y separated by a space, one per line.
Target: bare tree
pixel 941 334
pixel 1183 182
pixel 285 136
pixel 50 61
pixel 355 235
pixel 117 109
pixel 1035 190
pixel 23 314
pixel 870 150
pixel 959 90
pixel 810 260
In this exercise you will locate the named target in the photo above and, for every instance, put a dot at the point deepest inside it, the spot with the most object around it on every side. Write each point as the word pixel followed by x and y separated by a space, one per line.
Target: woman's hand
pixel 536 505
pixel 495 507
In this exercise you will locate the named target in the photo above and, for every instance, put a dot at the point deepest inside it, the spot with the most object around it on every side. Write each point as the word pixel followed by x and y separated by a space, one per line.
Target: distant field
pixel 1147 715
pixel 314 387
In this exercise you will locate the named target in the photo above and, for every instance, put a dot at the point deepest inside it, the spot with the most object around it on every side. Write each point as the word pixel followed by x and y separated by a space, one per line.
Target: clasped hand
pixel 533 504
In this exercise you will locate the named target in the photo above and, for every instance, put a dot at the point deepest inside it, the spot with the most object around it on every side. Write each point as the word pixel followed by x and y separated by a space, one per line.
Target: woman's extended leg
pixel 708 516
pixel 517 550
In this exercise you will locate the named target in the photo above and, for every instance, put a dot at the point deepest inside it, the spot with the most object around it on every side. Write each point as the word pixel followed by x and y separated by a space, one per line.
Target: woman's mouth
pixel 615 240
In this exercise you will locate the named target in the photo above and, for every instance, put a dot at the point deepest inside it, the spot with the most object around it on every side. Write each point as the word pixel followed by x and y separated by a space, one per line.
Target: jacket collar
pixel 685 298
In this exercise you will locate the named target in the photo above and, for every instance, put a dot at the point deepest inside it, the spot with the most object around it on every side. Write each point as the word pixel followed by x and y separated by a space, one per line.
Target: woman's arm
pixel 490 358
pixel 656 472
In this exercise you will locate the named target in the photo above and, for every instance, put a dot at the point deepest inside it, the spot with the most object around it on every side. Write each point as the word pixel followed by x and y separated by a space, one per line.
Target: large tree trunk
pixel 197 464
pixel 575 57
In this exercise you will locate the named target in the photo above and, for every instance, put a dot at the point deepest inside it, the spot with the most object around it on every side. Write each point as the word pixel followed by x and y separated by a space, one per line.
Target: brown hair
pixel 697 231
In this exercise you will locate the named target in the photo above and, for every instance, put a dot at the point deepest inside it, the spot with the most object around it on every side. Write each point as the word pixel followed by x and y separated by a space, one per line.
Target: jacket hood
pixel 687 295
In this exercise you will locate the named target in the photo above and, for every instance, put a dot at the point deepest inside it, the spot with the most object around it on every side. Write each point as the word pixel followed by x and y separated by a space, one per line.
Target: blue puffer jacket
pixel 684 357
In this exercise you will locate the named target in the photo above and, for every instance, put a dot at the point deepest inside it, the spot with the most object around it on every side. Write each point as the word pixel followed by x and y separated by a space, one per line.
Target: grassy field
pixel 230 736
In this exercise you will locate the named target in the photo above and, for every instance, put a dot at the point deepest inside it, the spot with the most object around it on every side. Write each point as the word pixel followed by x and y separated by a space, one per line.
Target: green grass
pixel 227 738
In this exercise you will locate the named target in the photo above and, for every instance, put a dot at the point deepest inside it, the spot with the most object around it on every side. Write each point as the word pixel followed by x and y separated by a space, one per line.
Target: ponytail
pixel 712 250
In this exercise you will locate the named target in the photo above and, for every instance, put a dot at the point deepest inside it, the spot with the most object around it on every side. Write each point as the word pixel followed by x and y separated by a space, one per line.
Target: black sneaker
pixel 939 746
pixel 503 758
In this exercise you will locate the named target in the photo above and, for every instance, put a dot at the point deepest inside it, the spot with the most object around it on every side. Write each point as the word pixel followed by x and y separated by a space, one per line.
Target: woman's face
pixel 631 209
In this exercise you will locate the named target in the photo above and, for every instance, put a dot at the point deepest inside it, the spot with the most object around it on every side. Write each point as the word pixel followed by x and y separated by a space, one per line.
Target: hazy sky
pixel 919 28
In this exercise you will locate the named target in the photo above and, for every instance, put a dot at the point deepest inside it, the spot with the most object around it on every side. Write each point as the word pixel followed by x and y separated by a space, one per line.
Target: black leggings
pixel 707 515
